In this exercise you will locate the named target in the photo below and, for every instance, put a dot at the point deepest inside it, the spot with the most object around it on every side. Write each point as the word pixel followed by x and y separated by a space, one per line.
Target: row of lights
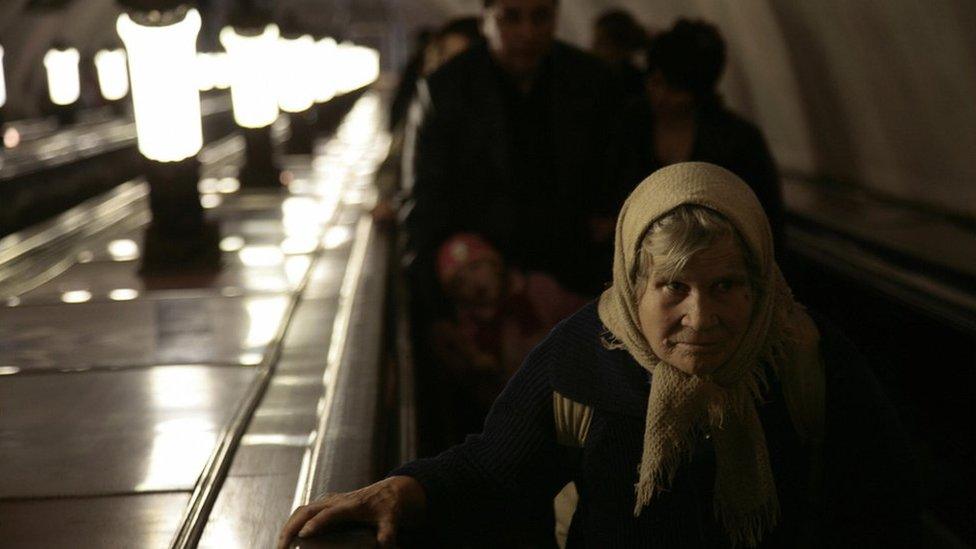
pixel 307 71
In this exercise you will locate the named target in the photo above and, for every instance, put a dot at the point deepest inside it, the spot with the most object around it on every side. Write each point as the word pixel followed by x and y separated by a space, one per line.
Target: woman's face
pixel 696 320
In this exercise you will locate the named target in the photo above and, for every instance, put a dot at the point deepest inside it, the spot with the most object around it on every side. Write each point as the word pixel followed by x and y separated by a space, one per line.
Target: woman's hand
pixel 387 504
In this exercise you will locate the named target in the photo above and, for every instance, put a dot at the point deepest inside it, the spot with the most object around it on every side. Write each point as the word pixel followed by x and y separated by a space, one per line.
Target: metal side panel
pixel 97 433
pixel 144 521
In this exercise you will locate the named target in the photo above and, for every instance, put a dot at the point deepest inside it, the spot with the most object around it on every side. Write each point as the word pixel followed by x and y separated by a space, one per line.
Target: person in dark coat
pixel 512 140
pixel 695 404
pixel 618 39
pixel 684 119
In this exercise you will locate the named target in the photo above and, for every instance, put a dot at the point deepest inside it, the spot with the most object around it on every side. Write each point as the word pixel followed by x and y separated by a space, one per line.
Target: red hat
pixel 461 250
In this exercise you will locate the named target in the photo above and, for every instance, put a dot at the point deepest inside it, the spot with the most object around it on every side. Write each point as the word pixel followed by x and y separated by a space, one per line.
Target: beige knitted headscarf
pixel 724 402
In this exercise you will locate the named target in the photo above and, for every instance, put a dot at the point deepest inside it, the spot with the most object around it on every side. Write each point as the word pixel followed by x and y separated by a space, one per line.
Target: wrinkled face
pixel 478 288
pixel 696 320
pixel 520 32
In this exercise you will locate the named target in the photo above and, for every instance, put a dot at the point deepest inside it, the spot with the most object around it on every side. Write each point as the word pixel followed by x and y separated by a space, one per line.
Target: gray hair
pixel 675 237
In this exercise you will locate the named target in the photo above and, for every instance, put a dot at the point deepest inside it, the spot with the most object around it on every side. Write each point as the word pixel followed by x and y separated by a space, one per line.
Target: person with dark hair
pixel 511 140
pixel 683 117
pixel 695 404
pixel 437 48
pixel 456 36
pixel 618 39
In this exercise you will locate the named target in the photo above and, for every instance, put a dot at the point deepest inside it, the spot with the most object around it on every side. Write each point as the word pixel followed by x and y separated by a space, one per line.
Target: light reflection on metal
pixel 63 81
pixel 172 454
pixel 113 76
pixel 283 380
pixel 252 62
pixel 123 294
pixel 123 249
pixel 295 268
pixel 210 201
pixel 8 370
pixel 222 532
pixel 231 291
pixel 264 282
pixel 3 83
pixel 256 439
pixel 184 424
pixel 231 243
pixel 228 185
pixel 336 237
pixel 11 138
pixel 164 91
pixel 294 245
pixel 264 315
pixel 13 301
pixel 261 256
pixel 76 296
pixel 294 80
pixel 85 256
pixel 249 359
pixel 207 185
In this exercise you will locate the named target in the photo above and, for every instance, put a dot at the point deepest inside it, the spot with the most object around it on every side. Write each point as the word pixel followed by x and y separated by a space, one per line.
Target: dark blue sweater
pixel 503 480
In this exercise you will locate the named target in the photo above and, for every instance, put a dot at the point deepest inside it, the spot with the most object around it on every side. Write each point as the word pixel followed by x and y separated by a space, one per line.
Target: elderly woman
pixel 696 404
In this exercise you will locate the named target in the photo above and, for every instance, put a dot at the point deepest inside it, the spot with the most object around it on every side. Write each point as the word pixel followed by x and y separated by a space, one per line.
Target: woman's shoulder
pixel 584 369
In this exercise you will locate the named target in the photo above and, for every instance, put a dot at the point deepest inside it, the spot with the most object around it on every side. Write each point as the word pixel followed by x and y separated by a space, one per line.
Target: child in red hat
pixel 500 314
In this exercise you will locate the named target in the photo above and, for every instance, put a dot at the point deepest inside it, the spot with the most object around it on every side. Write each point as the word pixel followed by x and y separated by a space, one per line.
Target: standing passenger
pixel 618 39
pixel 510 140
pixel 684 118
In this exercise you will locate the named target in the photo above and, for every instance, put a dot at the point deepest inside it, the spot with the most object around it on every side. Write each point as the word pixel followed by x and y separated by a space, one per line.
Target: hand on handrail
pixel 388 504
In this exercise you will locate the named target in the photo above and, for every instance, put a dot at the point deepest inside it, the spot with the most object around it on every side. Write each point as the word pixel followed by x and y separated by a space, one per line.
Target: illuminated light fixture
pixel 113 76
pixel 252 59
pixel 63 81
pixel 3 83
pixel 295 92
pixel 212 71
pixel 164 92
pixel 222 74
pixel 204 72
pixel 160 39
pixel 323 72
pixel 356 67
